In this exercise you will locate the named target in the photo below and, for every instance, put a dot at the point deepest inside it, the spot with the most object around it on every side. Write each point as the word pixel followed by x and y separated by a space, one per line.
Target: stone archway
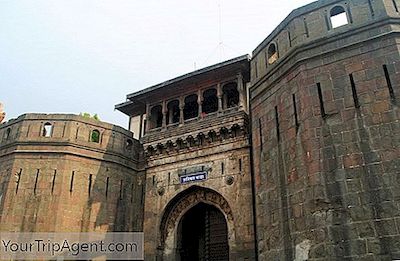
pixel 178 207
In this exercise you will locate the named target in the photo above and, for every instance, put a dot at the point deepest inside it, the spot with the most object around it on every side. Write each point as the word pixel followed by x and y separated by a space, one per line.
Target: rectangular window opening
pixel 222 168
pixel 389 83
pixel 240 165
pixel 321 101
pixel 278 135
pixel 354 91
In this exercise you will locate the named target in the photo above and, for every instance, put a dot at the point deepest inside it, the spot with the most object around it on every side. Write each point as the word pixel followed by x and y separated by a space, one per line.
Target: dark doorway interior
pixel 203 235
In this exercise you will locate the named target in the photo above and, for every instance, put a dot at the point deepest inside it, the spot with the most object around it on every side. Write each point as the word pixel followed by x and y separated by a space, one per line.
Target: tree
pixel 88 116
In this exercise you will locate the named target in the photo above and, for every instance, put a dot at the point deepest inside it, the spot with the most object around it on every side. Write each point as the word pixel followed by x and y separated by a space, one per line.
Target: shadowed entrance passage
pixel 203 235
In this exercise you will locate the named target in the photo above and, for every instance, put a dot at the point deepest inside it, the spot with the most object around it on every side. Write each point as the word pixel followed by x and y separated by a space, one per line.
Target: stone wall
pixel 228 165
pixel 325 127
pixel 64 180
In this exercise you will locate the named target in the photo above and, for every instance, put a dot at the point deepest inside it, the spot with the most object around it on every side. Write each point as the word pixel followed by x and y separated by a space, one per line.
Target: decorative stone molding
pixel 198 140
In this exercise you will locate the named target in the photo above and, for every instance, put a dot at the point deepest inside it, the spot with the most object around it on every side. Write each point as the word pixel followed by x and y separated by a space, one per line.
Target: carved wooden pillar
pixel 181 108
pixel 241 90
pixel 148 117
pixel 219 95
pixel 170 115
pixel 200 103
pixel 164 113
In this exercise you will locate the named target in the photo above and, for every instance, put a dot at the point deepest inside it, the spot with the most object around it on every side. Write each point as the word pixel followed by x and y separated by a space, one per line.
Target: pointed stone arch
pixel 178 206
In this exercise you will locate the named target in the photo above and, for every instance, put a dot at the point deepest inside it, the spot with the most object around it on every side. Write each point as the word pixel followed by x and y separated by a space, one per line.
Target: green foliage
pixel 88 116
pixel 95 137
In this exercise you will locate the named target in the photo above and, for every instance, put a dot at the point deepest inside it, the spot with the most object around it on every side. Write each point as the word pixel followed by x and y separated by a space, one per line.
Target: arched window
pixel 272 53
pixel 129 144
pixel 338 16
pixel 173 113
pixel 95 136
pixel 156 117
pixel 47 129
pixel 210 102
pixel 191 109
pixel 231 95
pixel 7 134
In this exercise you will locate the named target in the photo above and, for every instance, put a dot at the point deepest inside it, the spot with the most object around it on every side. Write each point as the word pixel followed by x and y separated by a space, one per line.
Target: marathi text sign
pixel 193 177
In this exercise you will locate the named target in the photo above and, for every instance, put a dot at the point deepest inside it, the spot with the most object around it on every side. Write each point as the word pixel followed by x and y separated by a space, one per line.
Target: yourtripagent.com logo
pixel 71 246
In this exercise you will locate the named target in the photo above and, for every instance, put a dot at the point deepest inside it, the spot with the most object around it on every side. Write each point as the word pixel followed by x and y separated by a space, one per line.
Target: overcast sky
pixel 71 56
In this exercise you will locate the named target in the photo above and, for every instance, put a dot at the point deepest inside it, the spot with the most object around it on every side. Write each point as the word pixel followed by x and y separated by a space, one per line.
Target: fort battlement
pixel 321 28
pixel 68 133
pixel 63 172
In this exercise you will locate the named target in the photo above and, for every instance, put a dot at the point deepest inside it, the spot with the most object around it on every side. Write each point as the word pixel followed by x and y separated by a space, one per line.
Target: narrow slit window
pixel 354 92
pixel 132 192
pixel 278 135
pixel 36 182
pixel 222 168
pixel 18 180
pixel 338 16
pixel 107 183
pixel 54 181
pixel 260 133
pixel 296 118
pixel 240 165
pixel 47 129
pixel 306 27
pixel 7 134
pixel 321 100
pixel 256 68
pixel 90 184
pixel 121 184
pixel 389 83
pixel 371 9
pixel 71 184
pixel 395 6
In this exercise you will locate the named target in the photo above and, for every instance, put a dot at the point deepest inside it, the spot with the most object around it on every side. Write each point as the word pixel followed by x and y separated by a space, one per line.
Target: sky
pixel 72 56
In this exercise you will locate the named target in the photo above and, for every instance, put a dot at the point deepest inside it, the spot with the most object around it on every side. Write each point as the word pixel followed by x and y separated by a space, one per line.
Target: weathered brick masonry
pixel 325 127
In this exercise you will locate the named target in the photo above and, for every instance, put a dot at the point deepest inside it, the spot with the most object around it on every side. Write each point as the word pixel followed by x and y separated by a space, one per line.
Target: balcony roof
pixel 136 102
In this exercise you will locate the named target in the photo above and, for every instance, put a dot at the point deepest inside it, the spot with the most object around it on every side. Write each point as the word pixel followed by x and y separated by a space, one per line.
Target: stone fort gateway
pixel 292 154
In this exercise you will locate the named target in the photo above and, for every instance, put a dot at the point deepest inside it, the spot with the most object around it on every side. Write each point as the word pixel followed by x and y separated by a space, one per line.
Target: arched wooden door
pixel 203 235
